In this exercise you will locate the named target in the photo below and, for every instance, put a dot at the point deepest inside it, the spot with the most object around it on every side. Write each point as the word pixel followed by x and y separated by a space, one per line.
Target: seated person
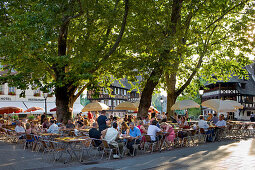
pixel 184 123
pixel 1 124
pixel 19 129
pixel 95 134
pixel 221 123
pixel 111 135
pixel 53 127
pixel 171 134
pixel 45 124
pixel 202 123
pixel 28 128
pixel 152 130
pixel 124 128
pixel 135 136
pixel 70 125
pixel 146 121
pixel 215 118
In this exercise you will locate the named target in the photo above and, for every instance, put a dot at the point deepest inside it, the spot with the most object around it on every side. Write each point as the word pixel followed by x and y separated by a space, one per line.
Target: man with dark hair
pixel 70 124
pixel 152 130
pixel 43 117
pixel 102 121
pixel 202 123
pixel 110 135
pixel 135 135
pixel 94 133
pixel 53 127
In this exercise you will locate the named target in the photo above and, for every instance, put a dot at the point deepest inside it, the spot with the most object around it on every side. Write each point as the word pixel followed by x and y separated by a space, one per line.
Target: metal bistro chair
pixel 86 146
pixel 109 149
pixel 29 141
pixel 149 143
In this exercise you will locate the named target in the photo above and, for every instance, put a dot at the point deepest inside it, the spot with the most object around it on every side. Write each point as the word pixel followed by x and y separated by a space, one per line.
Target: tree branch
pixel 124 21
pixel 222 16
pixel 108 30
pixel 81 91
pixel 81 12
pixel 197 66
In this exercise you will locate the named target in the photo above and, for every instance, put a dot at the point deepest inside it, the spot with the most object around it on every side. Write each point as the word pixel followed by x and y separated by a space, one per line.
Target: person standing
pixel 102 121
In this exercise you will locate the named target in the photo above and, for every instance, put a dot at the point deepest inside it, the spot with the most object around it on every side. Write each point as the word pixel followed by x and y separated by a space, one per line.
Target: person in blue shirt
pixel 135 137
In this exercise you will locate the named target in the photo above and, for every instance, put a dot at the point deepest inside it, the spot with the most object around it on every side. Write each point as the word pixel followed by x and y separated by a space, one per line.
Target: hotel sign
pixel 5 99
pixel 33 99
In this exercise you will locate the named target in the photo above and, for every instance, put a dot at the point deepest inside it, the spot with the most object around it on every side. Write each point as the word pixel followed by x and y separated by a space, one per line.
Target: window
pixel 12 91
pixel 125 92
pixel 1 89
pixel 37 92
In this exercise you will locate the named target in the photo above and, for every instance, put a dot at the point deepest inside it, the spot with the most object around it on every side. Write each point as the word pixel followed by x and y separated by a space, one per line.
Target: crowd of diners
pixel 129 130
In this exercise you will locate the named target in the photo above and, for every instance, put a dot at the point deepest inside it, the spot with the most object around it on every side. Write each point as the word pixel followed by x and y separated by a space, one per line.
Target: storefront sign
pixel 33 99
pixel 5 99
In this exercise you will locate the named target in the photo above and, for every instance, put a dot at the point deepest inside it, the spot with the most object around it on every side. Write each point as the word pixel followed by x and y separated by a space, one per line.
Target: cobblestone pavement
pixel 218 155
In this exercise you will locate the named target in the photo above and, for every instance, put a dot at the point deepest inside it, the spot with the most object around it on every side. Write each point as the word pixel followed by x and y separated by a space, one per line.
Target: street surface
pixel 219 155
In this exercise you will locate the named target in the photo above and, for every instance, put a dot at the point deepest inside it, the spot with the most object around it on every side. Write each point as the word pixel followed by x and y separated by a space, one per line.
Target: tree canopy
pixel 61 44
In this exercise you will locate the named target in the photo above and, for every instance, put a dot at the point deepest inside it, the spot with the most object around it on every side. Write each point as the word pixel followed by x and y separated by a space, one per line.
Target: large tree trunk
pixel 147 92
pixel 171 93
pixel 64 102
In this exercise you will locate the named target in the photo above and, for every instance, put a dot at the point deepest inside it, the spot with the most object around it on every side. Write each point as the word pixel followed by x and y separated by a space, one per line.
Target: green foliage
pixel 216 32
pixel 31 117
pixel 15 117
pixel 30 32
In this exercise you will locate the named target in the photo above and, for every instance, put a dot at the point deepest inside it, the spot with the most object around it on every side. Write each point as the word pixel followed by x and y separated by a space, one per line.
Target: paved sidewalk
pixel 218 155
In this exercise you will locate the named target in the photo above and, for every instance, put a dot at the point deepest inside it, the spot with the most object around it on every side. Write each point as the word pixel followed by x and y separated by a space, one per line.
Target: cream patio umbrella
pixel 126 106
pixel 220 105
pixel 185 104
pixel 95 106
pixel 234 103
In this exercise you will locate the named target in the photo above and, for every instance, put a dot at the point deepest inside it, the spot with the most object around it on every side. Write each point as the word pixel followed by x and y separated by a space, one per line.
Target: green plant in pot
pixel 31 117
pixel 15 117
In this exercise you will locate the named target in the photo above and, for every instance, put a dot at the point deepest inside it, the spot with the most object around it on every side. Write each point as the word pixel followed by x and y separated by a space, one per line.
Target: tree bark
pixel 147 92
pixel 64 103
pixel 64 100
pixel 171 93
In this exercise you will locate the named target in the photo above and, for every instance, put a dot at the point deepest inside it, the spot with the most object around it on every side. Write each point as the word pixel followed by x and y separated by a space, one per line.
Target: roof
pixel 249 88
pixel 124 83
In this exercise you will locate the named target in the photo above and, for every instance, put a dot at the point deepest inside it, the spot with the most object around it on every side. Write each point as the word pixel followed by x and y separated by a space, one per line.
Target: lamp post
pixel 201 92
pixel 45 95
pixel 161 101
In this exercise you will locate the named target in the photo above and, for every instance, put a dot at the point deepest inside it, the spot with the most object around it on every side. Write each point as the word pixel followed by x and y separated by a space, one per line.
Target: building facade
pixel 11 96
pixel 120 92
pixel 240 90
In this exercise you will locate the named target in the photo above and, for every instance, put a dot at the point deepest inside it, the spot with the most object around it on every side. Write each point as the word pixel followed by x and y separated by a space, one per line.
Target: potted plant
pixel 50 95
pixel 15 117
pixel 11 93
pixel 37 94
pixel 31 117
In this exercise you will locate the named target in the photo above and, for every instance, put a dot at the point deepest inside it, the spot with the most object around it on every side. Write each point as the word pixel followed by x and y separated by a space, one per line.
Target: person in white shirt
pixel 221 122
pixel 202 123
pixel 110 135
pixel 152 130
pixel 19 129
pixel 53 127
